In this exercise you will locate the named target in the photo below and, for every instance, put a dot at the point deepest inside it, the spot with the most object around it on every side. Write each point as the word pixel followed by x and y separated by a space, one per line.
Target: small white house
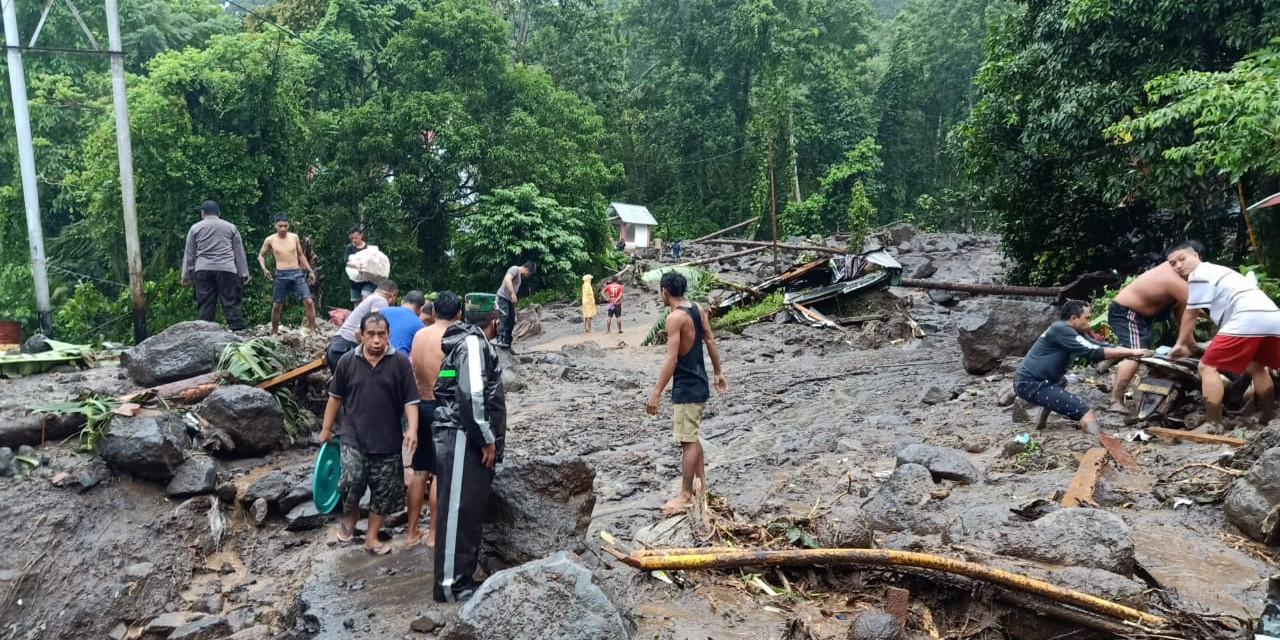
pixel 632 222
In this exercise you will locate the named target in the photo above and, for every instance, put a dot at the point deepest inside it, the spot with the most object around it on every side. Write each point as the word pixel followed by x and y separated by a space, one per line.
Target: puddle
pixel 1217 578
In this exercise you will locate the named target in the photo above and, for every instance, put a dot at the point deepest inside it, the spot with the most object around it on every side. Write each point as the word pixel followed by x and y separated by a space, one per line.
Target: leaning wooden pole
pixel 725 230
pixel 719 559
pixel 1248 224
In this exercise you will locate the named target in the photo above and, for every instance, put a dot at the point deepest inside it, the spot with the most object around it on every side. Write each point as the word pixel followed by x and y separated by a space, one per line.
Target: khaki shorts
pixel 688 417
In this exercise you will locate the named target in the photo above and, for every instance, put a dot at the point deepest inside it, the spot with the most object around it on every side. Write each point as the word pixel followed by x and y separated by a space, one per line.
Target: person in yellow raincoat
pixel 588 303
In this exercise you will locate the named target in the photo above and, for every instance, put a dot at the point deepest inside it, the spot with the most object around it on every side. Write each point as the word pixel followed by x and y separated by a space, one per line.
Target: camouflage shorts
pixel 382 474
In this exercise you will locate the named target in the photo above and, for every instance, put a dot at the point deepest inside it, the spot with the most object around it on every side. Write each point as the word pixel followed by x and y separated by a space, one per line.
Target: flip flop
pixel 344 531
pixel 378 551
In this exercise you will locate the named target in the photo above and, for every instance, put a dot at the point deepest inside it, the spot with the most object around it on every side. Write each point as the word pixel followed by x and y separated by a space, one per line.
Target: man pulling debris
pixel 292 272
pixel 1248 338
pixel 1039 377
pixel 375 383
pixel 688 329
pixel 469 434
pixel 1134 313
pixel 508 296
pixel 427 355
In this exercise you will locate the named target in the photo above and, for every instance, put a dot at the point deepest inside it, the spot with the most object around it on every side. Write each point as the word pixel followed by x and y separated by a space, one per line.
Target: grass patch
pixel 739 317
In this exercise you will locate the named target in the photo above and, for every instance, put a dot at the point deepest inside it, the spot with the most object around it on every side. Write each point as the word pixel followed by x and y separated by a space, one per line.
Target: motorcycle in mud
pixel 1169 393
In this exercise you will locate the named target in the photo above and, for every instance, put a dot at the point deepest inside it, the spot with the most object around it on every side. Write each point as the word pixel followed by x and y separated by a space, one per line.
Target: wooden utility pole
pixel 1248 223
pixel 773 205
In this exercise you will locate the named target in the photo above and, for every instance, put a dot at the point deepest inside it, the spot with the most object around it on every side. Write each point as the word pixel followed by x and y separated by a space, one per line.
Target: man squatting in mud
pixel 1133 315
pixel 1039 377
pixel 426 354
pixel 1248 338
pixel 469 436
pixel 376 385
pixel 688 328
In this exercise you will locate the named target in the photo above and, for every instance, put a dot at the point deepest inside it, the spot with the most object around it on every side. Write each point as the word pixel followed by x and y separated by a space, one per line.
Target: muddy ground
pixel 811 418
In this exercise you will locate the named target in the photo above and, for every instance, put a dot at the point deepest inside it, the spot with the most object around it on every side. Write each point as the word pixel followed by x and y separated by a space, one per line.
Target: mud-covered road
pixel 811 422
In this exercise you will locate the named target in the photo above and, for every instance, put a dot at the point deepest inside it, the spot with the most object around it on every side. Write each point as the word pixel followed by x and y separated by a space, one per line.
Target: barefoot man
pixel 292 272
pixel 1135 311
pixel 1248 339
pixel 426 355
pixel 688 329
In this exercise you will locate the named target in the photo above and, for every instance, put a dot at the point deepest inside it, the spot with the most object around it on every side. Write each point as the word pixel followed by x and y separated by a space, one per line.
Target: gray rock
pixel 305 517
pixel 259 511
pixel 996 329
pixel 36 344
pixel 844 527
pixel 251 416
pixel 183 350
pixel 934 395
pixel 897 233
pixel 876 625
pixel 428 622
pixel 1005 396
pixel 91 474
pixel 901 503
pixel 8 463
pixel 1089 538
pixel 924 270
pixel 197 476
pixel 275 486
pixel 299 494
pixel 550 599
pixel 1253 502
pixel 139 570
pixel 943 463
pixel 1268 437
pixel 252 633
pixel 672 532
pixel 905 248
pixel 150 447
pixel 164 624
pixel 538 506
pixel 206 628
pixel 1102 584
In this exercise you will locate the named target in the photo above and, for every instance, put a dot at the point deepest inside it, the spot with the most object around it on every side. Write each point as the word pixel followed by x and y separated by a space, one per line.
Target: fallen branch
pixel 1204 465
pixel 186 391
pixel 817 316
pixel 727 256
pixel 976 287
pixel 889 558
pixel 725 230
pixel 789 247
pixel 1190 436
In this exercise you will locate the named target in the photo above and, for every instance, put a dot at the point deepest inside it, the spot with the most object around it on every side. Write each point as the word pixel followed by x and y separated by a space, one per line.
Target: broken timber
pixel 725 230
pixel 1203 438
pixel 788 247
pixel 888 558
pixel 727 256
pixel 186 391
pixel 292 374
pixel 1116 450
pixel 993 289
pixel 817 316
pixel 1080 491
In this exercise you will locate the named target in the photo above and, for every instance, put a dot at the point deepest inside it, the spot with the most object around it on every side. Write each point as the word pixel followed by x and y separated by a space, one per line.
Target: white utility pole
pixel 124 148
pixel 27 164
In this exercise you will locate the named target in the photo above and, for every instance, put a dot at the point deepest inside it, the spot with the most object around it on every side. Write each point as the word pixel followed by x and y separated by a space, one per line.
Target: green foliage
pixel 515 225
pixel 97 410
pixel 841 202
pixel 794 533
pixel 739 317
pixel 252 361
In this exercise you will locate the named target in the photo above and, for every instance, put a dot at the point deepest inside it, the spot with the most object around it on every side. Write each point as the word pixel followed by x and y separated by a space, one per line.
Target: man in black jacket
pixel 1039 377
pixel 469 435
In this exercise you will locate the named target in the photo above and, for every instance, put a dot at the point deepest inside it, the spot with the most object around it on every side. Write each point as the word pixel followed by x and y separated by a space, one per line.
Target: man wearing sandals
pixel 376 385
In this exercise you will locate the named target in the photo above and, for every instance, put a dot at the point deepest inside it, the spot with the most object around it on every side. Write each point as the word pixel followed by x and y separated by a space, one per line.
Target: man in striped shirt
pixel 1248 339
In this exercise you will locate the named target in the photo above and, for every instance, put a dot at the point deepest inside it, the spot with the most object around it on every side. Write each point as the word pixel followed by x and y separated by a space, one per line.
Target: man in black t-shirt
pixel 376 385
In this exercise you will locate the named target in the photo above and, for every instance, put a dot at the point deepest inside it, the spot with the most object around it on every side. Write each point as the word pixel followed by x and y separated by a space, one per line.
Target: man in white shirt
pixel 1248 338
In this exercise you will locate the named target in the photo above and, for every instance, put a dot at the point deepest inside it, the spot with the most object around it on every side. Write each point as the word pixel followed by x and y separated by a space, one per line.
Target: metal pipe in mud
pixel 718 559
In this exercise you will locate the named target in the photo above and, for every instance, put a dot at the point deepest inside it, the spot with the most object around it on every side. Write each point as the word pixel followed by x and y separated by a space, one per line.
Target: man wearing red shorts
pixel 1248 337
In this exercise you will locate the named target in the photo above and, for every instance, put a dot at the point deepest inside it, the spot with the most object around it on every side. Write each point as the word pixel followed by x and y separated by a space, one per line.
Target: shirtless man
pixel 426 356
pixel 292 272
pixel 1135 311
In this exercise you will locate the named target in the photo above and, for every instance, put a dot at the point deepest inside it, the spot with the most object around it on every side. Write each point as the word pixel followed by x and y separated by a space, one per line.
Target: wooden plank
pixel 818 317
pixel 292 374
pixel 1202 438
pixel 1080 491
pixel 1116 450
pixel 725 230
pixel 897 601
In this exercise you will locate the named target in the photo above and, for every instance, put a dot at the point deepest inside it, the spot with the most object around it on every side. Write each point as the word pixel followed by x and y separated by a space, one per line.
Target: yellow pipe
pixel 718 559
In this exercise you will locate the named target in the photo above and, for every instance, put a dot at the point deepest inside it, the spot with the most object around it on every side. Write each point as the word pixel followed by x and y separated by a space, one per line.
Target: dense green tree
pixel 1057 75
pixel 511 226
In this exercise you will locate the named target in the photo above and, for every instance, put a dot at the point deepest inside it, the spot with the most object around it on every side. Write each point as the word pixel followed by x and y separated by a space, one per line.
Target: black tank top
pixel 689 384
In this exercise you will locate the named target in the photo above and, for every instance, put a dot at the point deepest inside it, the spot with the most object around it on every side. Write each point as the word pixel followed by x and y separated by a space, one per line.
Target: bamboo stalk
pixel 889 558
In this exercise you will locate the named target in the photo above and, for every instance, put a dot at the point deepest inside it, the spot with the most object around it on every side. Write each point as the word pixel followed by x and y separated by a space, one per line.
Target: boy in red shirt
pixel 613 295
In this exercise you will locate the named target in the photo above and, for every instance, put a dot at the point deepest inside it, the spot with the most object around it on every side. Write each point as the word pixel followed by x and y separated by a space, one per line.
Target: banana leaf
pixel 61 353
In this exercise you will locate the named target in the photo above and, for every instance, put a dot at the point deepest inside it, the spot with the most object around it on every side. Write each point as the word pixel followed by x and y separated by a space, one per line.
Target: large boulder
pixel 1090 538
pixel 281 489
pixel 553 599
pixel 942 463
pixel 997 329
pixel 537 507
pixel 183 350
pixel 902 503
pixel 146 446
pixel 250 416
pixel 1253 502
